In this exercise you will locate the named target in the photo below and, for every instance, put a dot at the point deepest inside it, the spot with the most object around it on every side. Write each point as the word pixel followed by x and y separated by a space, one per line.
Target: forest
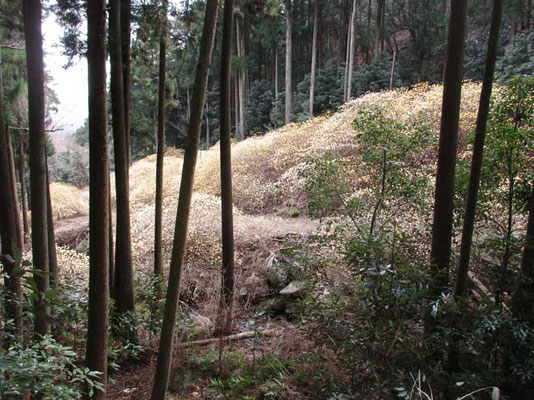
pixel 268 199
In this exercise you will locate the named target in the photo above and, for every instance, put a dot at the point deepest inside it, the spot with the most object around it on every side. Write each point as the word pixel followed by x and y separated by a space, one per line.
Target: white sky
pixel 69 84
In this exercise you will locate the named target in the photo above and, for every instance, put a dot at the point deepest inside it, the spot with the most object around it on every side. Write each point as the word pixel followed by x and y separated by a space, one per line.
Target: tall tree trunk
pixel 22 177
pixel 347 58
pixel 123 281
pixel 111 256
pixel 236 101
pixel 289 49
pixel 51 235
pixel 158 225
pixel 443 203
pixel 126 11
pixel 352 49
pixel 276 78
pixel 13 184
pixel 207 125
pixel 478 150
pixel 240 73
pixel 392 75
pixel 380 19
pixel 161 378
pixel 36 111
pixel 8 230
pixel 314 53
pixel 227 292
pixel 453 358
pixel 523 299
pixel 98 313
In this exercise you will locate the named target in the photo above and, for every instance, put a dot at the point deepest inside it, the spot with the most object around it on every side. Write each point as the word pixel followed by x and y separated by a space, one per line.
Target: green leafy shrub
pixel 46 368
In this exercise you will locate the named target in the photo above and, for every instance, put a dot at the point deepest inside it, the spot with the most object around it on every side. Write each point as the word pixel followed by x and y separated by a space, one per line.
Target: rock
pixel 277 274
pixel 295 288
pixel 201 323
pixel 251 287
pixel 293 212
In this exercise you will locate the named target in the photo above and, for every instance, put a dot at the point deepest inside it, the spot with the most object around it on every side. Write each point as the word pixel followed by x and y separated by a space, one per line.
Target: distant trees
pixel 38 170
pixel 98 313
pixel 161 378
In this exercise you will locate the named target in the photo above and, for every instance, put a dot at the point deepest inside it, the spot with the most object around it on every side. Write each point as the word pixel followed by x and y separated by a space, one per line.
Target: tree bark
pixel 347 58
pixel 161 378
pixel 276 78
pixel 126 11
pixel 227 292
pixel 380 19
pixel 314 53
pixel 36 110
pixel 51 235
pixel 22 177
pixel 462 276
pixel 523 299
pixel 158 224
pixel 240 74
pixel 123 282
pixel 352 49
pixel 289 49
pixel 443 202
pixel 8 231
pixel 98 313
pixel 478 150
pixel 13 183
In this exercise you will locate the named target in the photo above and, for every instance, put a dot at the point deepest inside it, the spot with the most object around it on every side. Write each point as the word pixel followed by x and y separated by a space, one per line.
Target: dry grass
pixel 67 201
pixel 265 167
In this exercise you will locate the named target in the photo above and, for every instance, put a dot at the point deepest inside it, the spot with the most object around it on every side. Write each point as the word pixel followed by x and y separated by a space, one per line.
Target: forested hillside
pixel 269 200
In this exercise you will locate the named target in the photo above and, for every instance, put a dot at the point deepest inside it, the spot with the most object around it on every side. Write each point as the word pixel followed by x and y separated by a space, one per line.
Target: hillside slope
pixel 266 182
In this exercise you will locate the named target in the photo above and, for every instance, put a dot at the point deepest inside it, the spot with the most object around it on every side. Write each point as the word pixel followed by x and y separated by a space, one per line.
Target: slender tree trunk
pixel 241 78
pixel 111 255
pixel 23 189
pixel 289 49
pixel 478 150
pixel 236 108
pixel 161 378
pixel 227 292
pixel 392 75
pixel 36 111
pixel 158 225
pixel 380 17
pixel 347 58
pixel 207 125
pixel 474 179
pixel 508 238
pixel 52 254
pixel 126 11
pixel 123 281
pixel 276 78
pixel 443 202
pixel 352 49
pixel 8 231
pixel 314 53
pixel 523 299
pixel 13 183
pixel 98 313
